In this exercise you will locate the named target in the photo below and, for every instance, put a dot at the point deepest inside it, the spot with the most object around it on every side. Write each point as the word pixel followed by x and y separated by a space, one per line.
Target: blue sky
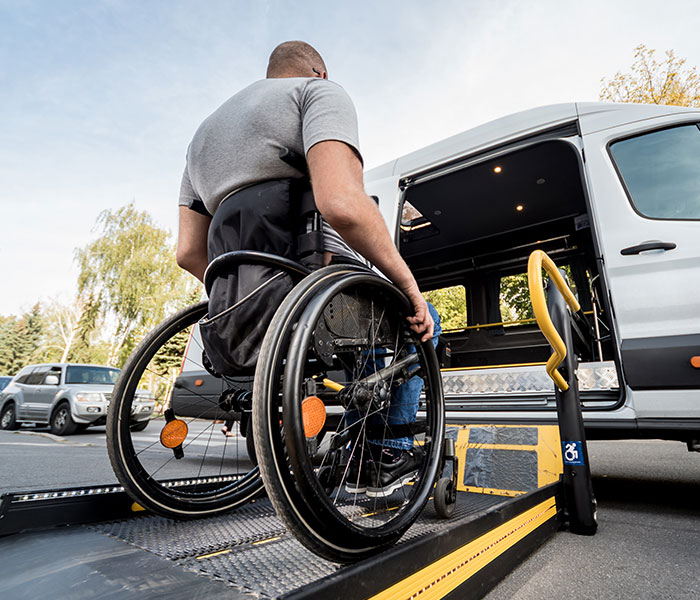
pixel 99 99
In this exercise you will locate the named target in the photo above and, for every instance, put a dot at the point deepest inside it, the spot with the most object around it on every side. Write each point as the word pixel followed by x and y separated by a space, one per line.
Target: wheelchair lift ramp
pixel 508 504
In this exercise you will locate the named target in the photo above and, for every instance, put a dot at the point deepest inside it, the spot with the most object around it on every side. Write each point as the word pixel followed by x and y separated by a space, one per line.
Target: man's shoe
pixel 356 478
pixel 393 472
pixel 358 474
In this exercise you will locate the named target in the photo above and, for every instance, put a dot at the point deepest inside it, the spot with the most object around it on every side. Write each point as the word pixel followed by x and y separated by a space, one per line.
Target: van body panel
pixel 599 116
pixel 655 294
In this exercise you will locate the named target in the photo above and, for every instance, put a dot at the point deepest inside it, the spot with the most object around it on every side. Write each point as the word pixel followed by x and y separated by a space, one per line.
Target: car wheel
pixel 140 426
pixel 8 418
pixel 62 422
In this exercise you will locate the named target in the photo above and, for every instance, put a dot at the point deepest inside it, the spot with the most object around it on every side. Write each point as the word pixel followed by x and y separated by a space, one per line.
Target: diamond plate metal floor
pixel 250 550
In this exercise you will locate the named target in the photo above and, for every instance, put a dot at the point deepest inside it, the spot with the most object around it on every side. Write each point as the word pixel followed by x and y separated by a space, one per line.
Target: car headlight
pixel 89 397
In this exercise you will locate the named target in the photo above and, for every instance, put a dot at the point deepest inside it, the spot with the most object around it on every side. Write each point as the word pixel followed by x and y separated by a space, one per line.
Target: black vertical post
pixel 578 488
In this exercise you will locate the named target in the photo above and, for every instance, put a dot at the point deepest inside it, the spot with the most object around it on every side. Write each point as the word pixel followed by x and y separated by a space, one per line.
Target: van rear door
pixel 644 181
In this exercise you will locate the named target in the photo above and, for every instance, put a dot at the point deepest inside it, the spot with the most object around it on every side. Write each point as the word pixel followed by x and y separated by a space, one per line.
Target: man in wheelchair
pixel 236 193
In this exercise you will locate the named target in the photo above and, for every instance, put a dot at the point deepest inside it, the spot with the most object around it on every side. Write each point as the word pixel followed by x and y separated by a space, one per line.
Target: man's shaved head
pixel 295 59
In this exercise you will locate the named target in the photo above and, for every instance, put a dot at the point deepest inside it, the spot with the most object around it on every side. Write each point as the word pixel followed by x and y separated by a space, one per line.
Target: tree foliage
pixel 451 304
pixel 653 81
pixel 129 278
pixel 20 340
pixel 514 298
pixel 129 281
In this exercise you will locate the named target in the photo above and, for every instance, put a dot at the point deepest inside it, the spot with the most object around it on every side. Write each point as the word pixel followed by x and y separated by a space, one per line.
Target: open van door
pixel 644 183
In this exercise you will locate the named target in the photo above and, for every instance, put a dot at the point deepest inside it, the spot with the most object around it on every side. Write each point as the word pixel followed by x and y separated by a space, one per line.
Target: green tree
pixel 451 304
pixel 129 276
pixel 653 81
pixel 87 347
pixel 21 340
pixel 515 303
pixel 9 344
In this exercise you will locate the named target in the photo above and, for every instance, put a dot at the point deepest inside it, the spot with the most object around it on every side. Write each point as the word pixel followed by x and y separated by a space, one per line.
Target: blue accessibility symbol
pixel 572 453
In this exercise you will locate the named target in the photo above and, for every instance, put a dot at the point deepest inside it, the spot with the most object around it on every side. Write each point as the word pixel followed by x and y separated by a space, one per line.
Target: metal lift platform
pixel 95 543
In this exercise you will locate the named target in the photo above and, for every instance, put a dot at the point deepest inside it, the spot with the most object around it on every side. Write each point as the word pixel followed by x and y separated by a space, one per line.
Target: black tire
pixel 8 417
pixel 442 497
pixel 140 426
pixel 215 474
pixel 62 422
pixel 250 444
pixel 337 526
pixel 81 427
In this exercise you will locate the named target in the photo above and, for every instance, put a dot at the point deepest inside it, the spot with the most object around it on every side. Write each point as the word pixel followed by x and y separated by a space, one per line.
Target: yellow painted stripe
pixel 220 552
pixel 490 491
pixel 503 447
pixel 446 574
pixel 267 541
pixel 535 364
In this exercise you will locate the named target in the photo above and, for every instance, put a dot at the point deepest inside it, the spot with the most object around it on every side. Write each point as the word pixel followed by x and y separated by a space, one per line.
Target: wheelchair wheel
pixel 182 465
pixel 332 364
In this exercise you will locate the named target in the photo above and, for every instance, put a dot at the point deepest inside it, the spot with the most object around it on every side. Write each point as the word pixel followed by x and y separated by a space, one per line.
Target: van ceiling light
pixel 497 169
pixel 519 208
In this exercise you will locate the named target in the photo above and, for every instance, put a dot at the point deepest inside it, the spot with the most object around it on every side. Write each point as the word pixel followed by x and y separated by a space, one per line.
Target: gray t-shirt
pixel 239 144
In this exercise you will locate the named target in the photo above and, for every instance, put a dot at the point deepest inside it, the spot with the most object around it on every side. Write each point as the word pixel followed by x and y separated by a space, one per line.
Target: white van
pixel 612 193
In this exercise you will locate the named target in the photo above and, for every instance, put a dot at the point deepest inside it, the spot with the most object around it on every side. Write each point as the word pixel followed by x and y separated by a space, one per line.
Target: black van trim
pixel 661 363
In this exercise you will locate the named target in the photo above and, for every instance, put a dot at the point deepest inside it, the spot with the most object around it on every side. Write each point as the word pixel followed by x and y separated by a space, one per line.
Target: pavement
pixel 34 459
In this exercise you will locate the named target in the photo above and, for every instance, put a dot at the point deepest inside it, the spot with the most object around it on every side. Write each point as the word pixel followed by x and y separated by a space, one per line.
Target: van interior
pixel 469 231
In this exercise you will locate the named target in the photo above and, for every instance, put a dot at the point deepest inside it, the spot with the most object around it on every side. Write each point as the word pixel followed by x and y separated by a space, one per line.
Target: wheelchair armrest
pixel 252 257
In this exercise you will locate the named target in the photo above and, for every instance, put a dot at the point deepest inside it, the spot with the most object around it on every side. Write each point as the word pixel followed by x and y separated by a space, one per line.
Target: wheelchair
pixel 322 403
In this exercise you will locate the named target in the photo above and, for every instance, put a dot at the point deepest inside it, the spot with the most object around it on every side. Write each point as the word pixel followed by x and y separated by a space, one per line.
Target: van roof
pixel 592 116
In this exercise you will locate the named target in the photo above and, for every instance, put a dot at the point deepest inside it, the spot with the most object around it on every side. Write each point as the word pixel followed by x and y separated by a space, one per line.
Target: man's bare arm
pixel 336 178
pixel 192 242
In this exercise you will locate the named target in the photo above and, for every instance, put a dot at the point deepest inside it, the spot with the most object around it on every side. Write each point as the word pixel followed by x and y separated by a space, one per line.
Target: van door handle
pixel 644 246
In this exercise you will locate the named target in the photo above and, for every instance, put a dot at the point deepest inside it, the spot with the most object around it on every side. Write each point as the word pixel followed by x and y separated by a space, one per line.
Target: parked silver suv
pixel 68 397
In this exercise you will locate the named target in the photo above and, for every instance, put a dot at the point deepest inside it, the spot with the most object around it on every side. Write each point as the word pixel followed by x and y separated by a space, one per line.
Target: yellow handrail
pixel 537 261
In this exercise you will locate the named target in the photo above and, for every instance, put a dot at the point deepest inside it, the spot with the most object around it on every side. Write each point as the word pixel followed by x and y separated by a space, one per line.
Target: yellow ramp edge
pixel 448 573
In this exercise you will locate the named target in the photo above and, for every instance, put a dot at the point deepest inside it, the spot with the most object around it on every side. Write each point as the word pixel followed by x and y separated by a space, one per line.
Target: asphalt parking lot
pixel 647 546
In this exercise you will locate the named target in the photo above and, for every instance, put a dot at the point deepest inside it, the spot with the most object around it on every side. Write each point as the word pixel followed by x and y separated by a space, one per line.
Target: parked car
pixel 67 397
pixel 4 380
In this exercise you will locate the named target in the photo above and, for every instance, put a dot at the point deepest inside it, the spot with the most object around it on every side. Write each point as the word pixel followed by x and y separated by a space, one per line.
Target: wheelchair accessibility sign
pixel 572 453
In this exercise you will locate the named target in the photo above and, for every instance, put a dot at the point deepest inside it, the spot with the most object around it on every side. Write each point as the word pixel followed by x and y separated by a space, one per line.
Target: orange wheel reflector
pixel 695 361
pixel 313 411
pixel 173 433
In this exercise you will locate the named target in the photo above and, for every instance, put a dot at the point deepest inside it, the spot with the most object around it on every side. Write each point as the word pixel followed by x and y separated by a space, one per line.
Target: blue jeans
pixel 405 398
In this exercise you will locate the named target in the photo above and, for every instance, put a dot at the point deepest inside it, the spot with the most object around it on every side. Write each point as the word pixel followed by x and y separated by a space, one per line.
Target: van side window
pixel 660 172
pixel 451 304
pixel 514 298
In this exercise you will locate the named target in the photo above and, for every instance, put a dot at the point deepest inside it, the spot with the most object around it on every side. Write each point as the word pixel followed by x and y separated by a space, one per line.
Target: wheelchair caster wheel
pixel 444 498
